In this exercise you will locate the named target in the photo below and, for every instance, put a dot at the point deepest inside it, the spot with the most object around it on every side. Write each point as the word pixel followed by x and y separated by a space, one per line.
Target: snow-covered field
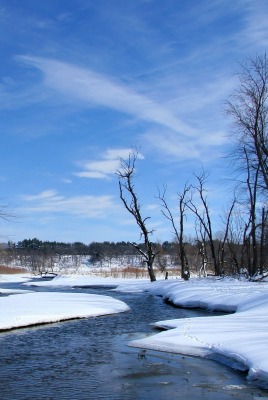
pixel 239 340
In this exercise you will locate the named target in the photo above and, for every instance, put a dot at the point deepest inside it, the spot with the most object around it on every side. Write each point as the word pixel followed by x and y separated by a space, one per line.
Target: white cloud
pixel 107 166
pixel 256 29
pixel 100 90
pixel 152 207
pixel 186 118
pixel 206 145
pixel 167 143
pixel 91 174
pixel 46 194
pixel 85 206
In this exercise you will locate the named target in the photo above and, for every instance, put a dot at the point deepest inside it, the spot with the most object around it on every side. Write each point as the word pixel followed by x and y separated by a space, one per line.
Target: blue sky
pixel 83 82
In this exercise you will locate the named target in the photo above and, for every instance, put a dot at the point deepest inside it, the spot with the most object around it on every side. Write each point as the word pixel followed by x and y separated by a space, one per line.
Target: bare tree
pixel 131 202
pixel 235 241
pixel 203 216
pixel 201 242
pixel 248 108
pixel 263 239
pixel 252 188
pixel 179 233
pixel 222 243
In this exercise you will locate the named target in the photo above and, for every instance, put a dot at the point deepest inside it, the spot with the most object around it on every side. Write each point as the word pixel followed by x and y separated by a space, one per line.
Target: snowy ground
pixel 239 339
pixel 14 278
pixel 20 308
pixel 37 308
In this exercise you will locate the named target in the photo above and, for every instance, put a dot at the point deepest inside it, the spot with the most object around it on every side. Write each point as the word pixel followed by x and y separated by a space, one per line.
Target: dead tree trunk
pixel 130 200
pixel 204 218
pixel 179 234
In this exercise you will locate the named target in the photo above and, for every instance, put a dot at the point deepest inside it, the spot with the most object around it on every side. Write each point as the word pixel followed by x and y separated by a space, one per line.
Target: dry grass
pixel 10 270
pixel 133 272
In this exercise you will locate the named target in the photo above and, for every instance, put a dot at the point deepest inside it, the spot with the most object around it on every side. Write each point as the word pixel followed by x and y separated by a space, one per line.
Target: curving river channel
pixel 90 359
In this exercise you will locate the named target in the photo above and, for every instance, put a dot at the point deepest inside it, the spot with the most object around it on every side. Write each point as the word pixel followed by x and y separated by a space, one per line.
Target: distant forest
pixel 97 251
pixel 45 256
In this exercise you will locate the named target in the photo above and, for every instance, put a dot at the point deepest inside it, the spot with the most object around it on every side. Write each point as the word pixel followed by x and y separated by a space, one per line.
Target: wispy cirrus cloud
pixel 96 89
pixel 206 146
pixel 50 201
pixel 169 133
pixel 106 166
pixel 255 24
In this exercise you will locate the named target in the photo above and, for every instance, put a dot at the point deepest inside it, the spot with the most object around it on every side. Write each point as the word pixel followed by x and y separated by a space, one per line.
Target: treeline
pixel 97 251
pixel 48 256
pixel 43 257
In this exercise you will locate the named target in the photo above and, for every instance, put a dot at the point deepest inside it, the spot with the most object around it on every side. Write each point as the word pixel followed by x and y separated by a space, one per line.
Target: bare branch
pixel 130 201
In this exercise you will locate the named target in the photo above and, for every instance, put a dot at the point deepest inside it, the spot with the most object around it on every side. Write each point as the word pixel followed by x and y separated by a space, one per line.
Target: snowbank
pixel 239 340
pixel 15 278
pixel 20 310
pixel 13 291
pixel 87 280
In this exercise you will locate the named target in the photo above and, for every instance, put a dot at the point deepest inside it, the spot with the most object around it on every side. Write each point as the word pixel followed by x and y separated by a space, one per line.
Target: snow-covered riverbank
pixel 20 308
pixel 27 309
pixel 239 339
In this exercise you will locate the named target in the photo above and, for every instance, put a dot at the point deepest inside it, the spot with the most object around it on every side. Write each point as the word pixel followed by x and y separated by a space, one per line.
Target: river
pixel 90 359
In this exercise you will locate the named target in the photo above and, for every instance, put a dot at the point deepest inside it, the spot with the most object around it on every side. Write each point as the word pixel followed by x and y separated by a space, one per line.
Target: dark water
pixel 90 359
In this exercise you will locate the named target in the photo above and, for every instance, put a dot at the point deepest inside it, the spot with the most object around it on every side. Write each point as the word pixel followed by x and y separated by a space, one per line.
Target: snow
pixel 88 280
pixel 26 308
pixel 14 278
pixel 39 308
pixel 13 291
pixel 81 281
pixel 239 339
